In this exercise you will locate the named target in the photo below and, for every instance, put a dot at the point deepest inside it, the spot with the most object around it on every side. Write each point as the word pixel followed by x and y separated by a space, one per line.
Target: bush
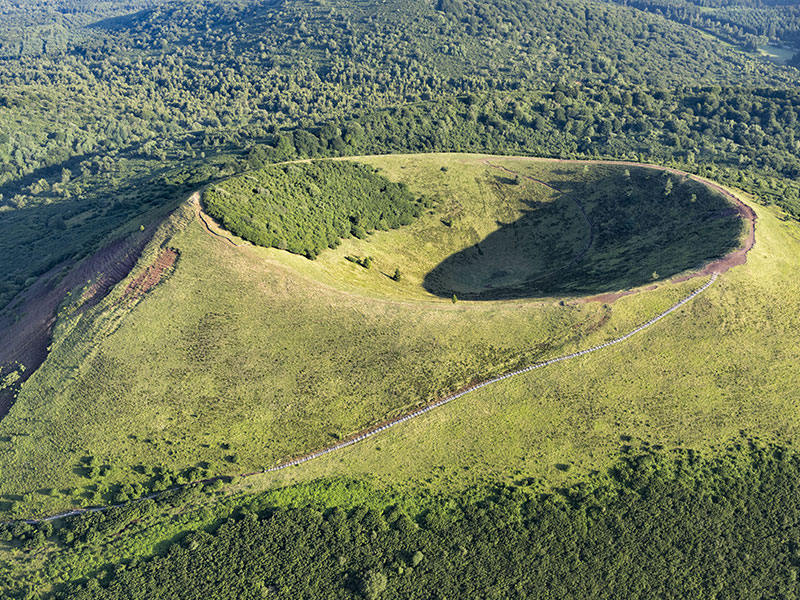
pixel 373 584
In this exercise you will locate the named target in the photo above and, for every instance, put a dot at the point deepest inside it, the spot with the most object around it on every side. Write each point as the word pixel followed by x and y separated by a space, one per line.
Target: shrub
pixel 373 584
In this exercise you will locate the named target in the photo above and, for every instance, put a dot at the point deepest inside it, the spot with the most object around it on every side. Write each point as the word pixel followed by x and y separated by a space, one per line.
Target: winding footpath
pixel 421 411
pixel 381 427
pixel 714 269
pixel 194 200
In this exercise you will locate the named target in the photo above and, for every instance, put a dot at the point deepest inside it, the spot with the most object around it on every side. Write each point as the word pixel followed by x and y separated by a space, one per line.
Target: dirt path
pixel 209 223
pixel 713 269
pixel 473 388
pixel 383 426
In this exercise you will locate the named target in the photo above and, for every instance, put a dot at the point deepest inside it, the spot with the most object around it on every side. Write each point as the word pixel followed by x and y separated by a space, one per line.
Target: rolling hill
pixel 209 371
pixel 401 299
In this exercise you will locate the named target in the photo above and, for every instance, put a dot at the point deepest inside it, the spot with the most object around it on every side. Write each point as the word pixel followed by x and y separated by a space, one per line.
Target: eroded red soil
pixel 152 275
pixel 27 321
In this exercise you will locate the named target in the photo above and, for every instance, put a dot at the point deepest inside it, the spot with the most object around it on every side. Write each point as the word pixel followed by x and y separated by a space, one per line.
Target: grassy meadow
pixel 718 371
pixel 246 356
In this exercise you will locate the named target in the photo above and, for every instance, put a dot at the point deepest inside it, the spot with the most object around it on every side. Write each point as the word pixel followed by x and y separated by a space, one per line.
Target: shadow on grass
pixel 613 233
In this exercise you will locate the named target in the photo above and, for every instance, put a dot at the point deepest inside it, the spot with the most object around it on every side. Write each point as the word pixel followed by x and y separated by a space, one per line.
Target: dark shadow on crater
pixel 616 233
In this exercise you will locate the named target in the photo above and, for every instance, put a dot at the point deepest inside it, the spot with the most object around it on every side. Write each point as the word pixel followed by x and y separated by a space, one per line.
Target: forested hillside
pixel 34 28
pixel 91 126
pixel 661 526
pixel 748 23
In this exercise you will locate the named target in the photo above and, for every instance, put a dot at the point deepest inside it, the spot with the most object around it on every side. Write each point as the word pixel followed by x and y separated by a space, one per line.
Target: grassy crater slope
pixel 602 228
pixel 501 229
pixel 246 355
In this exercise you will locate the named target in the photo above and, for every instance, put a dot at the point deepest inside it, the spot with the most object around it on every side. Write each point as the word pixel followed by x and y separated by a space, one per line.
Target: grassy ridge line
pixel 386 425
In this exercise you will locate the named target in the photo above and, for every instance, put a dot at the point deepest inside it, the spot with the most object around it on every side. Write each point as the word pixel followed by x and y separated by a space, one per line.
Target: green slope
pixel 246 356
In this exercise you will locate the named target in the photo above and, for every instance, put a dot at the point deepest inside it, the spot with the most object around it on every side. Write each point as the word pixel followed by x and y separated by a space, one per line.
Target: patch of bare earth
pixel 152 275
pixel 26 323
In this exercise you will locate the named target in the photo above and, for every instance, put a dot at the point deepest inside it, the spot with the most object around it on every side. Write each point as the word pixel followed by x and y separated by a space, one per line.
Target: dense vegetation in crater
pixel 307 207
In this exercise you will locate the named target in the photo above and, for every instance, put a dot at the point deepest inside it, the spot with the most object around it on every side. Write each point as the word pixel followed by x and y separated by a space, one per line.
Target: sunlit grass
pixel 247 356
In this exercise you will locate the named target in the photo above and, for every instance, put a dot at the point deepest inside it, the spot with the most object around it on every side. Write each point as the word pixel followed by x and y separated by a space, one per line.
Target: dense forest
pixel 745 137
pixel 658 525
pixel 307 207
pixel 127 115
pixel 183 68
pixel 748 23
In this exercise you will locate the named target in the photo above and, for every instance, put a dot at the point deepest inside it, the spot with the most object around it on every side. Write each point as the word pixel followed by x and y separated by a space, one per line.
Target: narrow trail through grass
pixel 421 411
pixel 375 430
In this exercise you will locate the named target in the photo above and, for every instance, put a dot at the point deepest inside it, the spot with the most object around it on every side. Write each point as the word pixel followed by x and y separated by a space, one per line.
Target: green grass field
pixel 719 369
pixel 246 356
pixel 777 54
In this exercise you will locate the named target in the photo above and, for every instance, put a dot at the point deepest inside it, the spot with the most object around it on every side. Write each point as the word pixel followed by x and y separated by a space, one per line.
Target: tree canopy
pixel 307 207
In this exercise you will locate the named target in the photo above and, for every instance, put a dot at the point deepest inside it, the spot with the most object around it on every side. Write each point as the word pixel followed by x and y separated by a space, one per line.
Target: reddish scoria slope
pixel 25 330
